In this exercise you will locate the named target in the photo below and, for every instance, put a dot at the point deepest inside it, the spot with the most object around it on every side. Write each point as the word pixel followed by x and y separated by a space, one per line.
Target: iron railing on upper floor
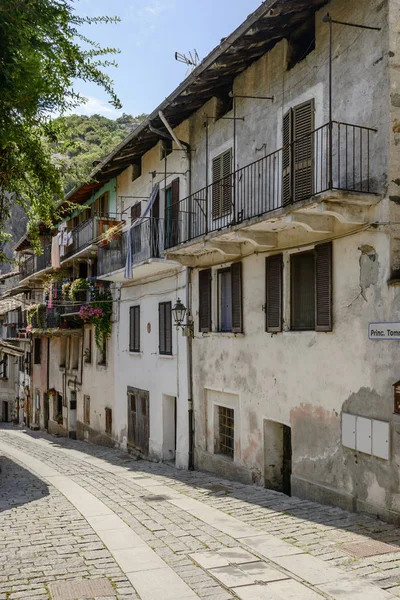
pixel 335 156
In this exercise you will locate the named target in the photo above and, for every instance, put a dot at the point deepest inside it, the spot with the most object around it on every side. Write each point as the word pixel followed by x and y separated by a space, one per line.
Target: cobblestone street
pixel 117 528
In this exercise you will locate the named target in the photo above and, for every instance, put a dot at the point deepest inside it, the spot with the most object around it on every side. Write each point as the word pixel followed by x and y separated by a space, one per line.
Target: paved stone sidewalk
pixel 148 497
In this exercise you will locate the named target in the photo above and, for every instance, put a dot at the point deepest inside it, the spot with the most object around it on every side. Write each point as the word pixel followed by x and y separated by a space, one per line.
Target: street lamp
pixel 179 312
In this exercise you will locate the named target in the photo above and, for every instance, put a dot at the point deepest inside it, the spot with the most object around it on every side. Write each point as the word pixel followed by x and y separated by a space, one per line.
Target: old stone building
pixel 255 211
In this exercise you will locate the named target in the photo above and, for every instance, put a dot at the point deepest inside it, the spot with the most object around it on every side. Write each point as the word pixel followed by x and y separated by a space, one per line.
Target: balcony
pixel 310 183
pixel 88 232
pixel 147 241
pixel 35 263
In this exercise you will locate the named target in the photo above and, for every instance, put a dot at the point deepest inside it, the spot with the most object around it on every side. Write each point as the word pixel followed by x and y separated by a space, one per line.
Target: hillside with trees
pixel 89 139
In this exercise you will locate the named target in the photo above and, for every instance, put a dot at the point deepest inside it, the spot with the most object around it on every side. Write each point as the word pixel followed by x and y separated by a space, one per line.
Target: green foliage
pixel 37 314
pixel 42 56
pixel 89 139
pixel 103 326
pixel 78 285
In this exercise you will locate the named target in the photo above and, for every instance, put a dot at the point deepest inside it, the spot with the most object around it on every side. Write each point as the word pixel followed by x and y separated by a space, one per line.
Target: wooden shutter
pixel 287 158
pixel 165 327
pixel 134 329
pixel 216 189
pixel 323 287
pixel 205 300
pixel 226 183
pixel 273 290
pixel 174 214
pixel 236 282
pixel 303 150
pixel 161 328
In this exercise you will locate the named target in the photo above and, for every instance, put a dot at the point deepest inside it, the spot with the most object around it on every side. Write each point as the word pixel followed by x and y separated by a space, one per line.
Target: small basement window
pixel 226 431
pixel 301 42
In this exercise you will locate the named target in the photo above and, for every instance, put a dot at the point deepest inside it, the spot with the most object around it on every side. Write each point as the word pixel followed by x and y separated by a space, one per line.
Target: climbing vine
pixel 36 312
pixel 98 313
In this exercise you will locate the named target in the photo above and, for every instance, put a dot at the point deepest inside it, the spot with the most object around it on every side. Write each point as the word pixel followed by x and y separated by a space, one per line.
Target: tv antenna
pixel 191 60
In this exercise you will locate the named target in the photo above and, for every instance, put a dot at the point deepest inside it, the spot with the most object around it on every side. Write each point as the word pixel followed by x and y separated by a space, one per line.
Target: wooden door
pixel 138 419
pixel 287 460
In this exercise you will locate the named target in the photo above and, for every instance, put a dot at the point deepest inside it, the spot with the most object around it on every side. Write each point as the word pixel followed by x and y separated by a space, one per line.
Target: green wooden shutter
pixel 303 150
pixel 323 287
pixel 287 160
pixel 131 329
pixel 273 292
pixel 236 283
pixel 161 328
pixel 205 300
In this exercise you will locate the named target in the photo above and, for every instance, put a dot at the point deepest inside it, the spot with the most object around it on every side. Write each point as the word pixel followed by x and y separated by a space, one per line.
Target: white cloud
pixel 97 106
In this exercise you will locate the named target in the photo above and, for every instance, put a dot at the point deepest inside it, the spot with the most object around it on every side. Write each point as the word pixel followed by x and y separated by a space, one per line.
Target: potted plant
pixel 66 290
pixel 59 418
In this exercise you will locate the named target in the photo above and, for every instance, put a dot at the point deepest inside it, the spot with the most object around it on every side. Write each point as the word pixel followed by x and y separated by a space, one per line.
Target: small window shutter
pixel 137 329
pixel 161 328
pixel 227 183
pixel 174 214
pixel 131 328
pixel 273 299
pixel 205 300
pixel 287 158
pixel 168 328
pixel 303 150
pixel 236 282
pixel 323 287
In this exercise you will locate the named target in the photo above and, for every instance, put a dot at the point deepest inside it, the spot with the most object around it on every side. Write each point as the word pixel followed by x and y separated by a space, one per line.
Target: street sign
pixel 384 331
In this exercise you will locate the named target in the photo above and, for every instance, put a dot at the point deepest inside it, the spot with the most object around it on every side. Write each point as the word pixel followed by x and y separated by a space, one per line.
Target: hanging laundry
pixel 55 252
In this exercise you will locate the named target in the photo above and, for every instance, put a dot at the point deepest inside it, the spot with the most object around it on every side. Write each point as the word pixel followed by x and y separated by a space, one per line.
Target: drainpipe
pixel 190 371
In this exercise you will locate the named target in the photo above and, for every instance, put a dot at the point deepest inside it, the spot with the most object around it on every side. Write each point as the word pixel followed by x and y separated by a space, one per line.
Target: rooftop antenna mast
pixel 191 60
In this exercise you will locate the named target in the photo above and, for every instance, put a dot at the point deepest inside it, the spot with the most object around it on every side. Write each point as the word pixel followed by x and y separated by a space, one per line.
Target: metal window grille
pixel 226 427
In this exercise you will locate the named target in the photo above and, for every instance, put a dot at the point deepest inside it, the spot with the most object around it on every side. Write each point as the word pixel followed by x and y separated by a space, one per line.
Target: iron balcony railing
pixel 336 156
pixel 147 239
pixel 35 263
pixel 90 231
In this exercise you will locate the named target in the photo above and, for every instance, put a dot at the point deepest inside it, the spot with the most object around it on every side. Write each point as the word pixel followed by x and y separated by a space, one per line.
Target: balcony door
pixel 171 211
pixel 298 153
pixel 155 229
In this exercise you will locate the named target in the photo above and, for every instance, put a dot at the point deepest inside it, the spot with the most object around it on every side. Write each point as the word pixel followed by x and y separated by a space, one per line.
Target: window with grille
pixel 226 431
pixel 134 329
pixel 222 185
pixel 311 289
pixel 230 298
pixel 108 421
pixel 165 327
pixel 37 351
pixel 86 409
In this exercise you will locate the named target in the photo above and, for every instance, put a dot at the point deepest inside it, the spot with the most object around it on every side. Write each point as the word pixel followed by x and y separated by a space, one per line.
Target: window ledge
pixel 167 356
pixel 102 364
pixel 135 352
pixel 222 334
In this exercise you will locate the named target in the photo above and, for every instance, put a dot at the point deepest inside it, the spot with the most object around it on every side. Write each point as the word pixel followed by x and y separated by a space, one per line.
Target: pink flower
pixel 29 328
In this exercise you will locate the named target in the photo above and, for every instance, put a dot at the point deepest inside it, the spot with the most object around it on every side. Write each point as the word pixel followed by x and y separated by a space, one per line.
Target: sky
pixel 148 35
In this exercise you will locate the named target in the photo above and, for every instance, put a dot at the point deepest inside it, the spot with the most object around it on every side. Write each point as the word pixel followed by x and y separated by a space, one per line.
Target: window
pixel 298 153
pixel 4 366
pixel 102 356
pixel 28 360
pixel 222 185
pixel 301 42
pixel 165 327
pixel 108 421
pixel 226 431
pixel 86 409
pixel 205 300
pixel 74 353
pixel 230 298
pixel 165 148
pixel 63 351
pixel 37 350
pixel 102 205
pixel 136 211
pixel 136 169
pixel 311 289
pixel 134 329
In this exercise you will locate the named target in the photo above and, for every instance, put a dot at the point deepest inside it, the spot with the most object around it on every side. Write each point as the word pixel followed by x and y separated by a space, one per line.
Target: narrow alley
pixel 78 520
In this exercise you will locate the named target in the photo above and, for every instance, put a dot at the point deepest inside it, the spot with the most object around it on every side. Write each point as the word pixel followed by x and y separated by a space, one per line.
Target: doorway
pixel 4 412
pixel 277 456
pixel 138 419
pixel 46 411
pixel 72 416
pixel 169 428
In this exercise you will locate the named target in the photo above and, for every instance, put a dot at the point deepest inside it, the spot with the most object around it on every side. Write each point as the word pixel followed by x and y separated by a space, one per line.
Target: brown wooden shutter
pixel 323 287
pixel 274 296
pixel 174 214
pixel 131 328
pixel 287 158
pixel 137 329
pixel 236 283
pixel 226 183
pixel 303 150
pixel 205 300
pixel 161 328
pixel 216 189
